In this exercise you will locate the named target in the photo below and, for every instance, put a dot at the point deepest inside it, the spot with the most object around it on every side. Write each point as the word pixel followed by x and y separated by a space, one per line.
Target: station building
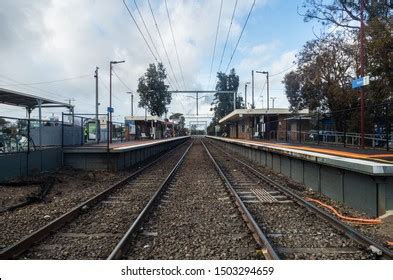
pixel 275 123
pixel 148 127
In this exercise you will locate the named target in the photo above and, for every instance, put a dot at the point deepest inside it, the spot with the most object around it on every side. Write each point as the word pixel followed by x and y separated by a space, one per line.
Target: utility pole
pixel 245 93
pixel 196 99
pixel 110 97
pixel 252 90
pixel 97 104
pixel 96 77
pixel 273 99
pixel 267 86
pixel 132 102
pixel 362 71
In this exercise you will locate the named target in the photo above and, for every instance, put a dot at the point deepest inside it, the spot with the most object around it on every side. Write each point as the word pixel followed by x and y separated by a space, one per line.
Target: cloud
pixel 53 39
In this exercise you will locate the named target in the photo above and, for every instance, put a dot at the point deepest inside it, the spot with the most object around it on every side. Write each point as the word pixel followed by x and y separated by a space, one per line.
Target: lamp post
pixel 267 85
pixel 110 109
pixel 132 102
pixel 245 92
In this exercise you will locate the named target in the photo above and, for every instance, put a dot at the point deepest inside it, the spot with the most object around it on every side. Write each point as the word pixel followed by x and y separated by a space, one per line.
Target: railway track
pixel 194 218
pixel 92 229
pixel 293 227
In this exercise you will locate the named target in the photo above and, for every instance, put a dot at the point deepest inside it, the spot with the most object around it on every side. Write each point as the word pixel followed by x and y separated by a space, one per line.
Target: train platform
pixel 118 156
pixel 117 146
pixel 376 155
pixel 362 179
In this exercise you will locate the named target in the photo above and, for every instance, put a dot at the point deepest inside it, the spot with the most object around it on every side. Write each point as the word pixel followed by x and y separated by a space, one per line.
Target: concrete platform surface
pixel 118 147
pixel 362 161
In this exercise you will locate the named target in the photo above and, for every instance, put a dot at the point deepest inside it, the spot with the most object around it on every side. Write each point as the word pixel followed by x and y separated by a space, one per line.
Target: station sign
pixel 110 110
pixel 360 82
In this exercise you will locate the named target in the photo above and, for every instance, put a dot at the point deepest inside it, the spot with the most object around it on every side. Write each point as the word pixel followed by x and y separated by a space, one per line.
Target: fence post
pixel 107 133
pixel 318 128
pixel 82 134
pixel 62 129
pixel 345 129
pixel 387 126
pixel 286 130
pixel 28 135
pixel 300 129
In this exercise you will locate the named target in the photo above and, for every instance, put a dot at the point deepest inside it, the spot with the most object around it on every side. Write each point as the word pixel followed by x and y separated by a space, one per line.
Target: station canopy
pixel 240 113
pixel 14 98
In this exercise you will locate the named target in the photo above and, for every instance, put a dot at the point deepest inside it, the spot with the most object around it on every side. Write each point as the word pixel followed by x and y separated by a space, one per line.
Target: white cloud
pixel 53 39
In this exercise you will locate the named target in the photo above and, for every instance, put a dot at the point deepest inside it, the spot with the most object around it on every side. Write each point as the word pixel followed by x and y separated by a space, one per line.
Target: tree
pixel 345 15
pixel 223 102
pixel 153 91
pixel 181 122
pixel 323 77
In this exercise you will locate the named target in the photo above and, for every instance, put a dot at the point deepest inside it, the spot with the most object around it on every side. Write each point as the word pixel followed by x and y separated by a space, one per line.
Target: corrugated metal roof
pixel 20 99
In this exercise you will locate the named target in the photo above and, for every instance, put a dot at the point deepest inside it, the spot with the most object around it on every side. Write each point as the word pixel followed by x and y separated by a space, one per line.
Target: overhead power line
pixel 124 84
pixel 286 69
pixel 47 82
pixel 174 43
pixel 226 40
pixel 140 31
pixel 162 42
pixel 144 38
pixel 241 34
pixel 215 43
pixel 147 30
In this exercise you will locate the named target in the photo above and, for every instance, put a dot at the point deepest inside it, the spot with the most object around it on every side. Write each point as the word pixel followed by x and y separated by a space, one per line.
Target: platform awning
pixel 241 113
pixel 14 98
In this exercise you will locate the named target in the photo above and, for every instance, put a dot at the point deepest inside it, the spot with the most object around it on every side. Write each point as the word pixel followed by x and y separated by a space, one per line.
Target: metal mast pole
pixel 97 112
pixel 110 102
pixel 267 89
pixel 245 94
pixel 252 87
pixel 196 103
pixel 362 62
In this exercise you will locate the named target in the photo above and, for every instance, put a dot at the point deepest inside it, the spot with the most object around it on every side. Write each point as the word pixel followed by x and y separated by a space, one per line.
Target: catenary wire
pixel 226 40
pixel 215 43
pixel 241 34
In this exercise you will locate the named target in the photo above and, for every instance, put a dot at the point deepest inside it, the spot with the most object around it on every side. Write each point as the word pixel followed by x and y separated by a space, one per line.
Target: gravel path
pixel 196 218
pixel 294 231
pixel 94 234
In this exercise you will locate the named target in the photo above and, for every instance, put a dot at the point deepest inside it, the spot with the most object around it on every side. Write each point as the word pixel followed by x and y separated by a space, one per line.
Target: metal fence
pixel 341 128
pixel 22 135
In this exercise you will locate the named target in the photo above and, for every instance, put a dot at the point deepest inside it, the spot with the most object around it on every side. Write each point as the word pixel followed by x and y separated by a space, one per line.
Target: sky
pixel 50 40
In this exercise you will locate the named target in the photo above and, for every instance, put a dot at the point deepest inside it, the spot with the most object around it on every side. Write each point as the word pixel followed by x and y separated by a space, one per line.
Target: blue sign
pixel 360 82
pixel 110 110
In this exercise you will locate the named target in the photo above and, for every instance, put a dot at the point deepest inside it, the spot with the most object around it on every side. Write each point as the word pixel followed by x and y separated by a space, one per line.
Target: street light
pixel 132 102
pixel 245 92
pixel 110 109
pixel 267 84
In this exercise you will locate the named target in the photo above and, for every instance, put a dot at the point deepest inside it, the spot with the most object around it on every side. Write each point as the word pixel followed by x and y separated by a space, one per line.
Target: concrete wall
pixel 370 194
pixel 25 164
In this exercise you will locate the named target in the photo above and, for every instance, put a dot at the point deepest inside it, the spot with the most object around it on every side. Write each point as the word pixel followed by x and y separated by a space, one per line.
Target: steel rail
pixel 267 249
pixel 125 243
pixel 349 231
pixel 16 249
